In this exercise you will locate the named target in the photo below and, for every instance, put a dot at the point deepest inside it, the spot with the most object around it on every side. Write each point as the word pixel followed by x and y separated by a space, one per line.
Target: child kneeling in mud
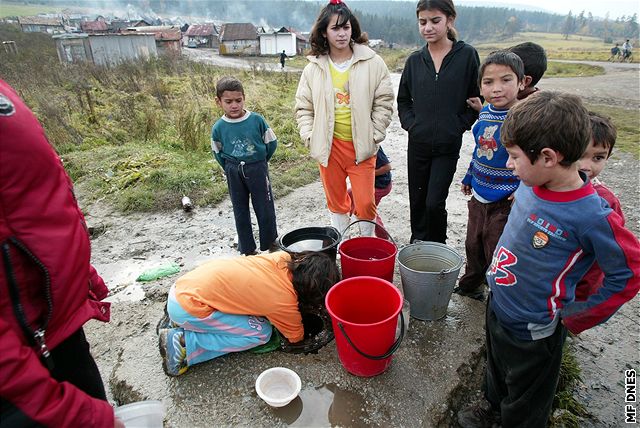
pixel 229 305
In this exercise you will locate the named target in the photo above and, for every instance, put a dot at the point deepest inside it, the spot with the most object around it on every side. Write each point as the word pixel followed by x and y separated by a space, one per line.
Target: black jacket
pixel 432 106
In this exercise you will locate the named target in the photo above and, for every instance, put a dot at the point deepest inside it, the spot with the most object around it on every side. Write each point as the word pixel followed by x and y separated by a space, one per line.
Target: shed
pixel 93 27
pixel 239 39
pixel 167 37
pixel 272 42
pixel 40 24
pixel 104 49
pixel 202 36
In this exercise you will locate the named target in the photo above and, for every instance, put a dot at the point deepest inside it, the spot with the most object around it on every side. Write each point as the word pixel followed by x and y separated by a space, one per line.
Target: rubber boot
pixel 367 228
pixel 341 222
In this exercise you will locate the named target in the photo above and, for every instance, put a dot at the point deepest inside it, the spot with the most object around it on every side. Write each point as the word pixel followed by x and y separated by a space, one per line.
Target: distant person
pixel 436 83
pixel 615 53
pixel 382 184
pixel 592 163
pixel 48 288
pixel 231 305
pixel 558 226
pixel 534 58
pixel 242 143
pixel 344 105
pixel 626 50
pixel 488 180
pixel 283 58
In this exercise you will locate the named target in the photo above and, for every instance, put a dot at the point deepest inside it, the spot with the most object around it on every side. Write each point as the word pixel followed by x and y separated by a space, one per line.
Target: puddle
pixel 328 405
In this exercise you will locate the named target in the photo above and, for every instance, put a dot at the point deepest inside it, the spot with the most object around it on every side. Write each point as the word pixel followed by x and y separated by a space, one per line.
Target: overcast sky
pixel 616 8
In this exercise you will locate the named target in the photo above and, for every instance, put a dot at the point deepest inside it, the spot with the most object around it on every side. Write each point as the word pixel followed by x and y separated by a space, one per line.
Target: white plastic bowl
pixel 278 386
pixel 141 414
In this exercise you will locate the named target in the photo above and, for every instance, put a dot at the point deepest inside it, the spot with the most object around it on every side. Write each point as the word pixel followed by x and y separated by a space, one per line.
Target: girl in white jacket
pixel 344 104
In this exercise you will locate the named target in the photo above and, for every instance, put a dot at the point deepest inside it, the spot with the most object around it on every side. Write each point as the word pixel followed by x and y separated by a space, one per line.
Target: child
pixel 434 88
pixel 228 305
pixel 344 104
pixel 593 161
pixel 534 59
pixel 557 227
pixel 488 180
pixel 382 186
pixel 243 143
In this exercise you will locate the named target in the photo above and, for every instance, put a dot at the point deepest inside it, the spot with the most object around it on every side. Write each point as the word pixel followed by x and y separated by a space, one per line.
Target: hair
pixel 505 58
pixel 603 131
pixel 319 43
pixel 313 274
pixel 444 6
pixel 534 58
pixel 228 83
pixel 548 119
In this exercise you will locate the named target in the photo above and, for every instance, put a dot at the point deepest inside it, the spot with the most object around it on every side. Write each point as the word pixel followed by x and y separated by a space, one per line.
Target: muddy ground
pixel 127 245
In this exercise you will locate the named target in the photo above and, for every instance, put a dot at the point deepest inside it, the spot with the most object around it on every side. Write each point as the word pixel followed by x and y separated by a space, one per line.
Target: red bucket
pixel 365 328
pixel 368 256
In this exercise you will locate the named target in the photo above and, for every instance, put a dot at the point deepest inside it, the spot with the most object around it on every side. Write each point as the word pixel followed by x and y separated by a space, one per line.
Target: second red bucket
pixel 367 256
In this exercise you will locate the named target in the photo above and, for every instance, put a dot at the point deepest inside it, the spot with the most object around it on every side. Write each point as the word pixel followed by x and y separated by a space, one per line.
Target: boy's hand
pixel 465 189
pixel 475 103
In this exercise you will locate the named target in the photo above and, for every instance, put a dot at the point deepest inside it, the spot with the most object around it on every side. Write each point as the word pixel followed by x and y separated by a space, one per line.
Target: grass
pixel 16 9
pixel 570 409
pixel 627 124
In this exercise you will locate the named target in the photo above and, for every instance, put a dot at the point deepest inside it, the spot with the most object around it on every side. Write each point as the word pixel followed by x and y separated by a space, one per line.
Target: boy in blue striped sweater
pixel 488 180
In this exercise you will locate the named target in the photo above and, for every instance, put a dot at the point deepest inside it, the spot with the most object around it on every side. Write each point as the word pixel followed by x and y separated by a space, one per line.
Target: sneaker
pixel 477 415
pixel 173 351
pixel 477 294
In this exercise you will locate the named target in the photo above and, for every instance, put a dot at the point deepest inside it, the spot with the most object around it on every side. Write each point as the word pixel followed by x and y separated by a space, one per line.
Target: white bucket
pixel 141 414
pixel 278 386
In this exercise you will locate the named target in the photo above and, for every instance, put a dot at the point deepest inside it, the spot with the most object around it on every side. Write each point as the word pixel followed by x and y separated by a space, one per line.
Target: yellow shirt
pixel 257 285
pixel 342 127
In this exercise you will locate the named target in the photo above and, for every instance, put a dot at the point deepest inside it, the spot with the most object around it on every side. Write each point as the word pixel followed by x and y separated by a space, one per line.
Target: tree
pixel 512 26
pixel 569 26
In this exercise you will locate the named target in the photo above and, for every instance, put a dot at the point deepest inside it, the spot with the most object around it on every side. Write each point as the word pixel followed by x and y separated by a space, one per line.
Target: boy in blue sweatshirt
pixel 242 143
pixel 488 180
pixel 557 228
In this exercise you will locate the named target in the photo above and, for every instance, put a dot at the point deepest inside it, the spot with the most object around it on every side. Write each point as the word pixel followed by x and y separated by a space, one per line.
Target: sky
pixel 599 8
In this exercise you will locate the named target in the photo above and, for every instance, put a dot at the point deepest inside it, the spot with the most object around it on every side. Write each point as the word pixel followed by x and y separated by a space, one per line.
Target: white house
pixel 272 42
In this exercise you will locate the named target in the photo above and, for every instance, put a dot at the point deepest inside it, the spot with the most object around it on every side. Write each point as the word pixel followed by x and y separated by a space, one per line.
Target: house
pixel 39 24
pixel 94 26
pixel 167 37
pixel 104 49
pixel 272 42
pixel 202 36
pixel 239 39
pixel 119 26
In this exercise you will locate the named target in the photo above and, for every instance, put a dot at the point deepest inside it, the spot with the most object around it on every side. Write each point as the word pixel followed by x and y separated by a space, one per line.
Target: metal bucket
pixel 429 271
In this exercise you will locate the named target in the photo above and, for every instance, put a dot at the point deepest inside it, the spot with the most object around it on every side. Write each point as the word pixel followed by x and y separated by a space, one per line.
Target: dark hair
pixel 444 6
pixel 228 83
pixel 505 58
pixel 319 43
pixel 313 274
pixel 603 131
pixel 534 59
pixel 548 119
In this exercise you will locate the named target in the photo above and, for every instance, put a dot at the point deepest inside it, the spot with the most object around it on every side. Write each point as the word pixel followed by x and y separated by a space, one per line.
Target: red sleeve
pixel 28 385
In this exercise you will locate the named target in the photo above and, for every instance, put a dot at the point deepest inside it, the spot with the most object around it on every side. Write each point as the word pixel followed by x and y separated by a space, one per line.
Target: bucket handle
pixel 375 224
pixel 443 272
pixel 387 354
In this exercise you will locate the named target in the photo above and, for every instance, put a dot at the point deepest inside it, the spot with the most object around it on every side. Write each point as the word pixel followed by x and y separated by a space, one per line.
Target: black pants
pixel 429 181
pixel 486 222
pixel 251 180
pixel 521 375
pixel 74 364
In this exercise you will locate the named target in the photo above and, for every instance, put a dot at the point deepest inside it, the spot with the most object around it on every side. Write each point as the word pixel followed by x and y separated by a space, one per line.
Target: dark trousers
pixel 251 180
pixel 485 225
pixel 429 181
pixel 521 375
pixel 74 364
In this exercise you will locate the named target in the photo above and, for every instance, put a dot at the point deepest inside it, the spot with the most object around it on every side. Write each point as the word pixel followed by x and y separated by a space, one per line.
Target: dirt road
pixel 133 243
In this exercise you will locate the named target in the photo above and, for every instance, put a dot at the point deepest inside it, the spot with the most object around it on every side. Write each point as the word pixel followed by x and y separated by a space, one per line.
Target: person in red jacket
pixel 48 288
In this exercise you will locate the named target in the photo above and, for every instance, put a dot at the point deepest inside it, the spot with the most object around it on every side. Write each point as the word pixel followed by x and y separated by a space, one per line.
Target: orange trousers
pixel 342 164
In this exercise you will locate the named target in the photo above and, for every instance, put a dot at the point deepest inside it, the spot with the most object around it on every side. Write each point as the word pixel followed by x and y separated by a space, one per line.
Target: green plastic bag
pixel 159 272
pixel 272 345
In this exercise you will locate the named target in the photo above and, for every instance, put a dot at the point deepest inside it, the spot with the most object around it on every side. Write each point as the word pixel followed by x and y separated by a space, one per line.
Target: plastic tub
pixel 141 414
pixel 278 386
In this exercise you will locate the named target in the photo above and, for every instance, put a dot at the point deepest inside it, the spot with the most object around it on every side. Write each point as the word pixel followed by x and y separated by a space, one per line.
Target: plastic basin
pixel 278 386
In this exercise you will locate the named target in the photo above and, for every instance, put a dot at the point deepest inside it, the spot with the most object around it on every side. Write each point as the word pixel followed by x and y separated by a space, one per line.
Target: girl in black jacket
pixel 436 83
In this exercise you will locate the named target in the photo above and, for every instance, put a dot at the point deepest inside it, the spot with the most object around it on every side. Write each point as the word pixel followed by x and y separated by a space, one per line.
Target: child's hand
pixel 465 189
pixel 475 103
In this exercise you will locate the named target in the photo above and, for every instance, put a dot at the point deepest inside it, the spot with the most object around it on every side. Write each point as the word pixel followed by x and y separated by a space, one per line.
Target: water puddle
pixel 328 405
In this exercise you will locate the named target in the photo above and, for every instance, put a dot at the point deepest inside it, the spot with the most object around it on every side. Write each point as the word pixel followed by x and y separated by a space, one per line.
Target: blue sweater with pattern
pixel 488 176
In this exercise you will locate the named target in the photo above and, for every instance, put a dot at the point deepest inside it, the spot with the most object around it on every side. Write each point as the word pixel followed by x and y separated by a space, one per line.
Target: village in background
pixel 108 33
